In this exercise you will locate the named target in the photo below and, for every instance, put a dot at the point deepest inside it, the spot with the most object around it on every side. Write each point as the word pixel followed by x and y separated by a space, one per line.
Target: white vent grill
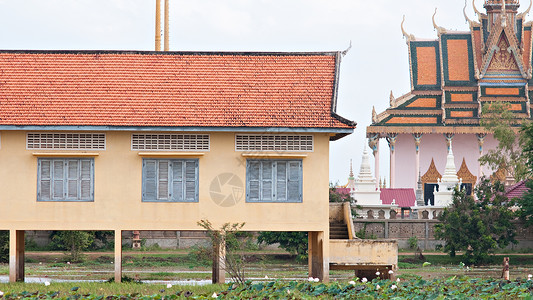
pixel 67 141
pixel 274 142
pixel 170 142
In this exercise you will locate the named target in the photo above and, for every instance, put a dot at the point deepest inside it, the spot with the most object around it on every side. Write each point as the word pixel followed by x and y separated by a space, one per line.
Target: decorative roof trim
pixel 371 130
pixel 200 53
pixel 335 93
pixel 176 129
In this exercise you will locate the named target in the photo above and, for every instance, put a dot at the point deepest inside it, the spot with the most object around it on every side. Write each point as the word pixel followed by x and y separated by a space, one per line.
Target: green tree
pixel 336 196
pixel 294 242
pixel 75 242
pixel 477 227
pixel 236 241
pixel 498 119
pixel 4 246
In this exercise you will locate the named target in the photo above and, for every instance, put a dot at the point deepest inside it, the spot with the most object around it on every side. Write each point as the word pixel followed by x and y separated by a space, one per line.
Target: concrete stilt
pixel 219 263
pixel 118 255
pixel 16 255
pixel 318 255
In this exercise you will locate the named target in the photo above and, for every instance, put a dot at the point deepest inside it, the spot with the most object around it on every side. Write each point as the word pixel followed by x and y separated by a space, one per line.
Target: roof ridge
pixel 147 52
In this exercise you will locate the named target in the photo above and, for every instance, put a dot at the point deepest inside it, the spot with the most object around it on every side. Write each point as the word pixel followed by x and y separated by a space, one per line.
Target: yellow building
pixel 121 140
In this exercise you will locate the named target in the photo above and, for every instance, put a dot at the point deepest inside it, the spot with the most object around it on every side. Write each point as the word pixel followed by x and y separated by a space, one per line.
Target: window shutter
pixel 162 182
pixel 149 176
pixel 86 185
pixel 45 181
pixel 252 189
pixel 72 179
pixel 266 180
pixel 58 173
pixel 177 181
pixel 294 181
pixel 281 181
pixel 190 180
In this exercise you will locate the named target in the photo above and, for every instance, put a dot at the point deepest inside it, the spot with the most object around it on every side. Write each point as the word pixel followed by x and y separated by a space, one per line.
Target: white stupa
pixel 366 194
pixel 365 191
pixel 447 183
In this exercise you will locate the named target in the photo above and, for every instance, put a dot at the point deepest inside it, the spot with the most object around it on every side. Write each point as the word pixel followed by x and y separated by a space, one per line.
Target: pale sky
pixel 376 64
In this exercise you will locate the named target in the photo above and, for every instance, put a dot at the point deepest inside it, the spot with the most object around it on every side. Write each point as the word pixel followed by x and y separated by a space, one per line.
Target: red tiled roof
pixel 516 190
pixel 403 197
pixel 112 88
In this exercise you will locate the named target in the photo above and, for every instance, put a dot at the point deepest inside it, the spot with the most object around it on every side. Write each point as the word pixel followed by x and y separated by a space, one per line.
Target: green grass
pixel 446 260
pixel 108 288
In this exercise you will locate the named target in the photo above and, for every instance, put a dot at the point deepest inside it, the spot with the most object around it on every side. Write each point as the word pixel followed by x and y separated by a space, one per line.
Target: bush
pixel 4 246
pixel 294 242
pixel 413 242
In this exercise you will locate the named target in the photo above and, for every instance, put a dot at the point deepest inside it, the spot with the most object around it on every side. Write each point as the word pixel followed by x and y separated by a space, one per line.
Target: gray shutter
pixel 163 191
pixel 177 181
pixel 190 180
pixel 86 182
pixel 281 181
pixel 58 173
pixel 149 177
pixel 294 181
pixel 252 186
pixel 45 179
pixel 72 179
pixel 266 180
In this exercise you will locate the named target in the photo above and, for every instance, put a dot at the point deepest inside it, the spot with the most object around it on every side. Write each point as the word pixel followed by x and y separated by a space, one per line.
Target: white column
pixel 480 142
pixel 391 139
pixel 373 143
pixel 417 137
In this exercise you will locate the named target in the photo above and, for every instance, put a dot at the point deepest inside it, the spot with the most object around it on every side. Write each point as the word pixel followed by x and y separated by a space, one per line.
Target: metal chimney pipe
pixel 166 25
pixel 157 25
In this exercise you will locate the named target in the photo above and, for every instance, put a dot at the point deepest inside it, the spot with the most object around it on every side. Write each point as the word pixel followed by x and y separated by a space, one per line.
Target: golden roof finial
pixel 504 14
pixel 391 99
pixel 522 15
pixel 439 29
pixel 479 14
pixel 408 37
pixel 374 115
pixel 466 17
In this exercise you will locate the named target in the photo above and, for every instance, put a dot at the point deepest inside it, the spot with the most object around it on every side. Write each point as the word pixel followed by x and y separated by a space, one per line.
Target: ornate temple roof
pixel 453 75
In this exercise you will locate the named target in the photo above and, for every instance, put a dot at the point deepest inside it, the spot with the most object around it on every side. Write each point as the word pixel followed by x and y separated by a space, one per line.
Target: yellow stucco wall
pixel 117 191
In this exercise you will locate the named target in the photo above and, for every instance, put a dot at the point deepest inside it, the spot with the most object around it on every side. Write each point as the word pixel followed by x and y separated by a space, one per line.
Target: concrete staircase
pixel 338 231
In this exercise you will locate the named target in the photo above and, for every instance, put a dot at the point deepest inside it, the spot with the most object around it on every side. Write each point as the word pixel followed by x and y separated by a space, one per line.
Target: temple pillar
pixel 373 143
pixel 16 255
pixel 391 139
pixel 417 137
pixel 318 255
pixel 480 142
pixel 118 255
pixel 219 262
pixel 449 138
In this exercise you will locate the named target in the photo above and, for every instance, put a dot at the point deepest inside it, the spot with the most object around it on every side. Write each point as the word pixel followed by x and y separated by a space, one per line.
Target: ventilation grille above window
pixel 78 141
pixel 274 142
pixel 170 142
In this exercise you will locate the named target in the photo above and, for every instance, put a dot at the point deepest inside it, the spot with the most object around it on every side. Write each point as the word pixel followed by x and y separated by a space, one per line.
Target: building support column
pixel 118 255
pixel 418 138
pixel 318 252
pixel 373 143
pixel 391 139
pixel 16 255
pixel 449 138
pixel 480 142
pixel 219 262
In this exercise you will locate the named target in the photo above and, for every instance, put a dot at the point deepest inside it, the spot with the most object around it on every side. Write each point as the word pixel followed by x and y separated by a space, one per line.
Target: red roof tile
pixel 403 197
pixel 516 190
pixel 111 88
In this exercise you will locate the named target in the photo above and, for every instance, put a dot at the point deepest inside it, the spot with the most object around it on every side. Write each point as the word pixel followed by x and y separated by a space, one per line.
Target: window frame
pixel 65 179
pixel 170 180
pixel 274 181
